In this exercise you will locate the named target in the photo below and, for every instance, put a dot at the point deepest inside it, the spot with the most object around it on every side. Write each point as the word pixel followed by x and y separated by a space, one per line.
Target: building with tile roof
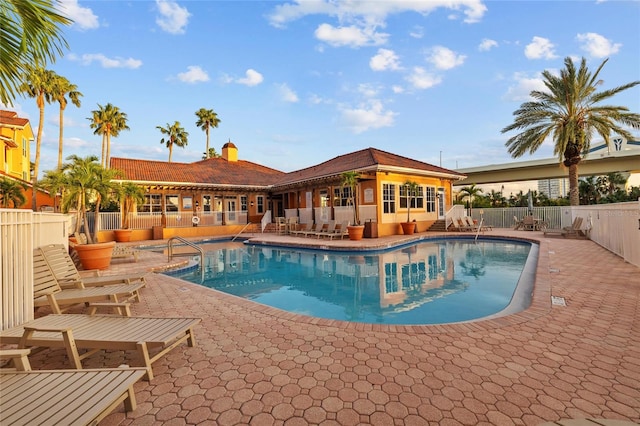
pixel 228 191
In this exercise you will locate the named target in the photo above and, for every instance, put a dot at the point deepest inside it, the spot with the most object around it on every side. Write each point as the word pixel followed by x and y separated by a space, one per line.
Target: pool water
pixel 433 282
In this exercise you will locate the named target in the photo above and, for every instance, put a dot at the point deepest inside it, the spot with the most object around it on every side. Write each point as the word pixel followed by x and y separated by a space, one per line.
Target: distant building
pixel 554 188
pixel 15 136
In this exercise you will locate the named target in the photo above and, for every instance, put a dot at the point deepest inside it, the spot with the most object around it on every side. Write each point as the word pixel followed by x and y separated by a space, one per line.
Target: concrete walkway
pixel 261 366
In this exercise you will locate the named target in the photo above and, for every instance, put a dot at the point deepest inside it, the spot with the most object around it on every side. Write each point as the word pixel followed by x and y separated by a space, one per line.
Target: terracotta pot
pixel 355 232
pixel 408 228
pixel 95 256
pixel 122 235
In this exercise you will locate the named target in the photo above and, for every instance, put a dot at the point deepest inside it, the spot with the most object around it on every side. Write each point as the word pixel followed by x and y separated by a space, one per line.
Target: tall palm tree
pixel 611 183
pixel 63 88
pixel 570 112
pixel 207 118
pixel 12 193
pixel 31 34
pixel 107 121
pixel 176 135
pixel 39 83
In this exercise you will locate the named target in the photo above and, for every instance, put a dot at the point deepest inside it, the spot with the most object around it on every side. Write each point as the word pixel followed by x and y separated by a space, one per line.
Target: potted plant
pixel 350 180
pixel 83 181
pixel 408 227
pixel 129 195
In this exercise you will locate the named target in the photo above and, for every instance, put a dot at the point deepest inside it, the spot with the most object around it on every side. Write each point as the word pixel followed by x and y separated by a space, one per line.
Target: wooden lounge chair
pixel 151 337
pixel 314 228
pixel 301 229
pixel 63 397
pixel 68 275
pixel 47 290
pixel 331 226
pixel 472 226
pixel 573 230
pixel 124 252
pixel 340 231
pixel 460 225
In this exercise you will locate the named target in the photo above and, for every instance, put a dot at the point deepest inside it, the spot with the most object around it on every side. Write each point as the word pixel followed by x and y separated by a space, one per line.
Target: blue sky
pixel 298 83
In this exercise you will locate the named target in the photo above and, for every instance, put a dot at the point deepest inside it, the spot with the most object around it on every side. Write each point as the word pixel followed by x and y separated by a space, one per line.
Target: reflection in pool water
pixel 433 282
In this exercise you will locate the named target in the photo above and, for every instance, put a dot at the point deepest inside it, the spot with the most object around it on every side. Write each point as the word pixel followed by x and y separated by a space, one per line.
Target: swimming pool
pixel 431 282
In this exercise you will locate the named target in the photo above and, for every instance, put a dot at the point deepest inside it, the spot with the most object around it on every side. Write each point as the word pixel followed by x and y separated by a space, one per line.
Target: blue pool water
pixel 431 282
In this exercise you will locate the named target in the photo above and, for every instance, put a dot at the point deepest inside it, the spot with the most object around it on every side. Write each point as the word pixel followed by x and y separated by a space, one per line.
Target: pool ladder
pixel 200 252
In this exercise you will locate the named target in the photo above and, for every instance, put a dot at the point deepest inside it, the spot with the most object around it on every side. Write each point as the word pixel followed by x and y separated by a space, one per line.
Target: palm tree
pixel 12 192
pixel 39 83
pixel 588 191
pixel 611 183
pixel 31 35
pixel 176 135
pixel 130 194
pixel 570 113
pixel 63 88
pixel 470 192
pixel 207 118
pixel 212 154
pixel 108 121
pixel 350 180
pixel 411 187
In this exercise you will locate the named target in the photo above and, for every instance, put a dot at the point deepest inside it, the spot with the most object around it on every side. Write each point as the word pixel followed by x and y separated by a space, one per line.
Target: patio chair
pixel 331 226
pixel 528 223
pixel 313 230
pixel 517 223
pixel 68 275
pixel 47 290
pixel 302 229
pixel 151 337
pixel 340 231
pixel 474 227
pixel 573 230
pixel 281 225
pixel 63 397
pixel 461 225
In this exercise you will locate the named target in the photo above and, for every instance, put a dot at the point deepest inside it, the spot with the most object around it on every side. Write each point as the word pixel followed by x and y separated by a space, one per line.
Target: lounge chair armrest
pixel 119 308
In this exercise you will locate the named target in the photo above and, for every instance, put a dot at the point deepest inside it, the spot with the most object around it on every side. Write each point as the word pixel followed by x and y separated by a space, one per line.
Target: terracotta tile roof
pixel 366 159
pixel 11 118
pixel 211 171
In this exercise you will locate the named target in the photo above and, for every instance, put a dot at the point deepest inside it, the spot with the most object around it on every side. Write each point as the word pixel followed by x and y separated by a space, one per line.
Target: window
pixel 152 204
pixel 342 196
pixel 206 203
pixel 388 198
pixel 431 199
pixel 324 198
pixel 243 203
pixel 390 278
pixel 171 203
pixel 25 144
pixel 260 204
pixel 417 201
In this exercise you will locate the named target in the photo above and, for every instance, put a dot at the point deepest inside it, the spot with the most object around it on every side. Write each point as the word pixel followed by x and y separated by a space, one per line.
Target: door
pixel 441 203
pixel 231 211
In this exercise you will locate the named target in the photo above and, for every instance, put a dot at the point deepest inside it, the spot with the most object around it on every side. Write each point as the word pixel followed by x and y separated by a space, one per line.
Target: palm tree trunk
pixel 207 151
pixel 170 151
pixel 106 159
pixel 103 150
pixel 34 192
pixel 60 137
pixel 574 193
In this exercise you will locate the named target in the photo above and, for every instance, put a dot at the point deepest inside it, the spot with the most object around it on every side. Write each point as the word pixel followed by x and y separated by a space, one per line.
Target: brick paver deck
pixel 260 366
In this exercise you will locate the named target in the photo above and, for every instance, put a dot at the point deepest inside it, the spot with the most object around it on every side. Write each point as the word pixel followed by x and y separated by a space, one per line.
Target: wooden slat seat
pixel 65 397
pixel 67 274
pixel 151 337
pixel 47 290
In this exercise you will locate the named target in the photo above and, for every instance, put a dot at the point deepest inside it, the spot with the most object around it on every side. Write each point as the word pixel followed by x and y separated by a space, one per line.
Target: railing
pixel 171 254
pixel 266 219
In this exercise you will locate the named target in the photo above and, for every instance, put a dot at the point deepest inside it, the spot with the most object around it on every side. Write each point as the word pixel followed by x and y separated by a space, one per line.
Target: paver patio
pixel 261 366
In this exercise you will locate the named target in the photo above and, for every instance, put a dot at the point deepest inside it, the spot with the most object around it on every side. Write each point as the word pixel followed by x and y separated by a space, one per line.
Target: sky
pixel 296 83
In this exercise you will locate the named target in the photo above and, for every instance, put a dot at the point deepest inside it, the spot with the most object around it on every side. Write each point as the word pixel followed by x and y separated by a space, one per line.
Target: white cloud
pixel 117 62
pixel 173 18
pixel 82 17
pixel 252 78
pixel 597 45
pixel 444 59
pixel 286 94
pixel 351 36
pixel 421 79
pixel 369 12
pixel 370 115
pixel 523 86
pixel 540 48
pixel 385 60
pixel 417 32
pixel 397 89
pixel 194 74
pixel 368 90
pixel 487 44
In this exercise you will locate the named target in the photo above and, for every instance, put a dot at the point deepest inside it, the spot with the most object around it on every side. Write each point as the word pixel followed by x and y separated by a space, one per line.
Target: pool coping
pixel 540 297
